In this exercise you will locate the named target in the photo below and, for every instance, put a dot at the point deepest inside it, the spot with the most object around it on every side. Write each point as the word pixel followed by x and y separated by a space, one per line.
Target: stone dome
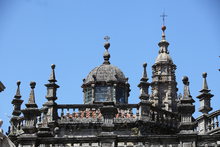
pixel 163 57
pixel 106 73
pixel 106 83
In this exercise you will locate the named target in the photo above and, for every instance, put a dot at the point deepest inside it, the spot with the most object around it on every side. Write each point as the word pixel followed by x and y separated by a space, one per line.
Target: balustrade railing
pixel 126 113
pixel 163 117
pixel 213 121
pixel 79 112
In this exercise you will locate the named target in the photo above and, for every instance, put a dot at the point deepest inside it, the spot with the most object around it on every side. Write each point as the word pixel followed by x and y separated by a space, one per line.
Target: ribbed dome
pixel 164 57
pixel 105 73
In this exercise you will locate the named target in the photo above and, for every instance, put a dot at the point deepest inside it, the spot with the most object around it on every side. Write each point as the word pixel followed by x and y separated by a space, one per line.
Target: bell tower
pixel 164 90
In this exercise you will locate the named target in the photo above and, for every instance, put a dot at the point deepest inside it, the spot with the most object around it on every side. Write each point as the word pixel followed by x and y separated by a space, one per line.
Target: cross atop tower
pixel 163 16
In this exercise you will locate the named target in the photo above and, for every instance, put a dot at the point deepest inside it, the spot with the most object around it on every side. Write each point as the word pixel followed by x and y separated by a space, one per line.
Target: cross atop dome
pixel 106 55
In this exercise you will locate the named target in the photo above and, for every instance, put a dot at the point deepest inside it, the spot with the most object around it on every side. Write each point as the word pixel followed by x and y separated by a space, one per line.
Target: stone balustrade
pixel 164 117
pixel 209 123
pixel 213 122
pixel 127 113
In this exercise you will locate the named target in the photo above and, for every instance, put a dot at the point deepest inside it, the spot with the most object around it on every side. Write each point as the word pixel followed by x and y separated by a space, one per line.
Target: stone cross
pixel 107 38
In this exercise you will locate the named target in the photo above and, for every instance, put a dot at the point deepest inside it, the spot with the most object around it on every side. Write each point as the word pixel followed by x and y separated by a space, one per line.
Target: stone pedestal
pixel 107 136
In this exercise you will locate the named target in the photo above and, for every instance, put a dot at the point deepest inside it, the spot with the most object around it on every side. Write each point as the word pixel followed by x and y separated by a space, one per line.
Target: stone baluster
pixel 213 122
pixel 209 124
pixel 137 112
pixel 217 122
pixel 74 113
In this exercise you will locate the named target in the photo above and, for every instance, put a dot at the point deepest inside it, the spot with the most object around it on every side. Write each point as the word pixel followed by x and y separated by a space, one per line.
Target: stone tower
pixel 164 90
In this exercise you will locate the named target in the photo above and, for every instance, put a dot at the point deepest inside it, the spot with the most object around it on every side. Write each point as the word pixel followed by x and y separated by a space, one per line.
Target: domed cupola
pixel 106 83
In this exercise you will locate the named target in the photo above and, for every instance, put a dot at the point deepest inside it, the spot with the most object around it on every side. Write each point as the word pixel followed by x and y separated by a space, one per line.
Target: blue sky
pixel 69 33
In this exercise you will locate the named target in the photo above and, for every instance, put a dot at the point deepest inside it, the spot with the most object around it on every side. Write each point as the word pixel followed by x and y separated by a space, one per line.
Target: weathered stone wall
pixel 135 144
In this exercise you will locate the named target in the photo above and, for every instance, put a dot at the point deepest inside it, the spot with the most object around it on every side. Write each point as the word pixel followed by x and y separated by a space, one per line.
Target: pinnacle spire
pixel 144 85
pixel 51 87
pixel 17 101
pixel 106 55
pixel 52 75
pixel 31 101
pixel 18 94
pixel 205 97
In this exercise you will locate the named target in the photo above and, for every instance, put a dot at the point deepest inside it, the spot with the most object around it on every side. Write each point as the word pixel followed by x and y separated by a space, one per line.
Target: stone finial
pixel 18 94
pixel 31 100
pixel 185 80
pixel 32 84
pixel 106 55
pixel 106 45
pixel 163 28
pixel 32 95
pixel 205 85
pixel 144 76
pixel 186 91
pixel 52 75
